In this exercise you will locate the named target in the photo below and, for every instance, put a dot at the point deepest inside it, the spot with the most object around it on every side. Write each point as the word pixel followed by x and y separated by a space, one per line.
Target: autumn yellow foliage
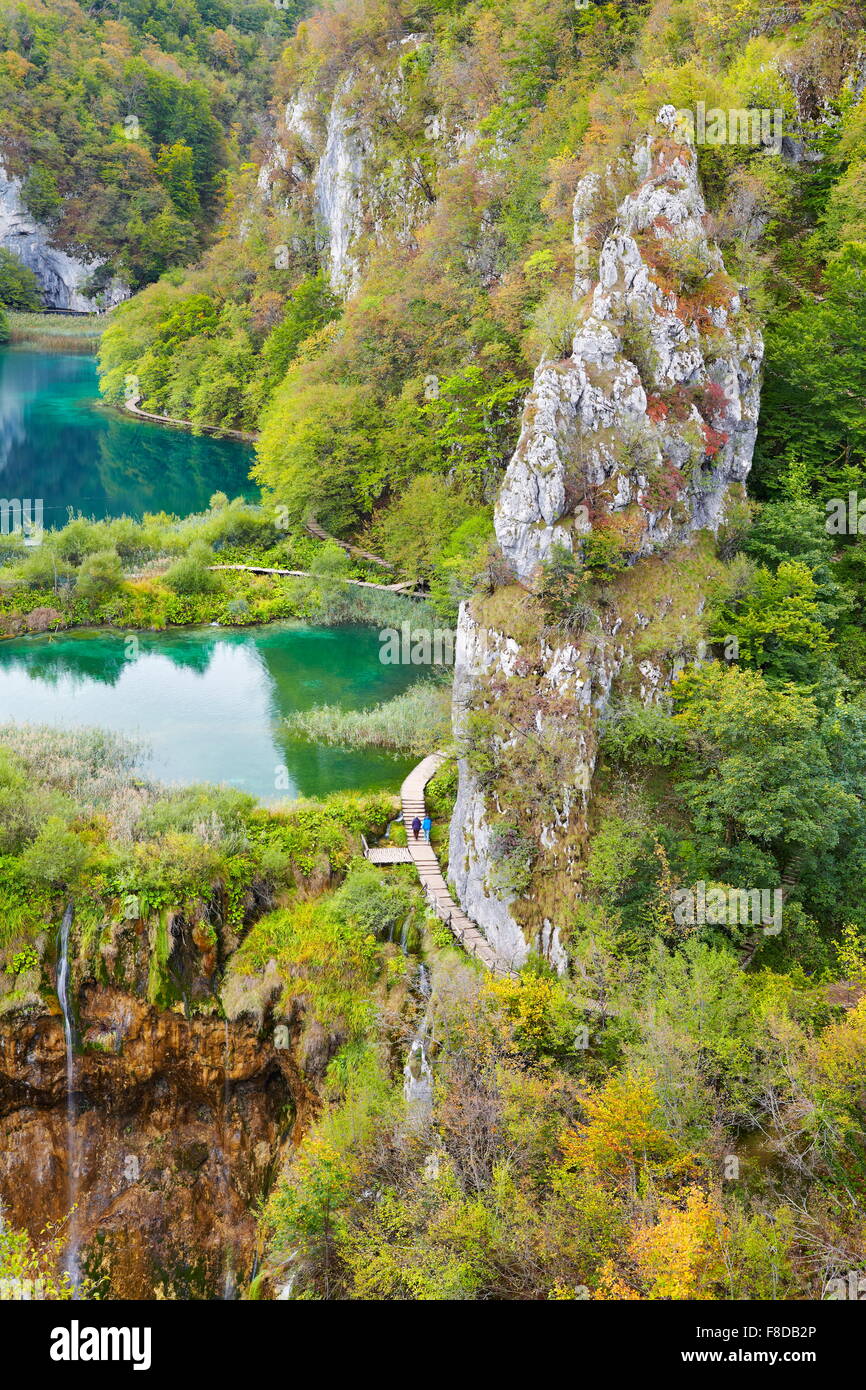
pixel 681 1255
pixel 623 1136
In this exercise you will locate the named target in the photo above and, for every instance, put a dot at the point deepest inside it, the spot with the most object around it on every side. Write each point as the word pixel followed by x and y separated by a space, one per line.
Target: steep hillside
pixel 559 312
pixel 638 440
pixel 117 125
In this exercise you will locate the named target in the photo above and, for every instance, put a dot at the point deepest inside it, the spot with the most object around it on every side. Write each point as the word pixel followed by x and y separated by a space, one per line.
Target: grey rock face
pixel 329 175
pixel 338 183
pixel 479 652
pixel 589 426
pixel 329 159
pixel 61 276
pixel 571 675
pixel 650 420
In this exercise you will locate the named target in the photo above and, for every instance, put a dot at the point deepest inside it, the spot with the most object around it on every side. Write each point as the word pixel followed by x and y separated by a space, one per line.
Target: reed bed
pixel 56 332
pixel 417 721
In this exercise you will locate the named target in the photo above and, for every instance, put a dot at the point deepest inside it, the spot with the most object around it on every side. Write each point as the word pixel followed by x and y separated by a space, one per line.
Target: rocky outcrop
pixel 479 653
pixel 655 412
pixel 325 171
pixel 630 447
pixel 325 163
pixel 63 278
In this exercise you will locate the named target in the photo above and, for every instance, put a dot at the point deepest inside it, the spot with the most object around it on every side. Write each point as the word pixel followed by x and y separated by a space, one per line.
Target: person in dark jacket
pixel 416 827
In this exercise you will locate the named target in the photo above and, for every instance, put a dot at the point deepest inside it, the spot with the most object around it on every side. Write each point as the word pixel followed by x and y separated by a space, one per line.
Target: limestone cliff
pixel 630 448
pixel 655 412
pixel 63 277
pixel 347 164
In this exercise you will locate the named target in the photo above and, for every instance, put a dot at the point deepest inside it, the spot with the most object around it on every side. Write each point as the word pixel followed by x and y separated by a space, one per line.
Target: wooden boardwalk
pixel 131 405
pixel 430 874
pixel 312 525
pixel 404 588
pixel 386 854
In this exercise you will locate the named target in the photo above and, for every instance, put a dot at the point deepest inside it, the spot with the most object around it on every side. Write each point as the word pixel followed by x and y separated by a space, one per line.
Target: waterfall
pixel 417 1073
pixel 72 1157
pixel 418 1079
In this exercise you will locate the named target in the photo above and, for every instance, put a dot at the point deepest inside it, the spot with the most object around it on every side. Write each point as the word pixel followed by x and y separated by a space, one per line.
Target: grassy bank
pixel 158 573
pixel 56 332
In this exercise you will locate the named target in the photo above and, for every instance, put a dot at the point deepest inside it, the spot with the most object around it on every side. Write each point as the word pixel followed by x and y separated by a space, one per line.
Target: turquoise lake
pixel 209 701
pixel 59 444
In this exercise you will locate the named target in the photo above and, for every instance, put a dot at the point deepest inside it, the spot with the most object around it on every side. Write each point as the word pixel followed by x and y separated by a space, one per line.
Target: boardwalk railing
pixel 385 854
pixel 402 589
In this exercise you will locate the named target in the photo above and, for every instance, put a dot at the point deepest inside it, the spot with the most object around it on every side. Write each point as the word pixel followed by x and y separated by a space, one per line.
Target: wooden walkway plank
pixel 426 862
pixel 131 405
pixel 402 589
pixel 388 854
pixel 423 856
pixel 312 525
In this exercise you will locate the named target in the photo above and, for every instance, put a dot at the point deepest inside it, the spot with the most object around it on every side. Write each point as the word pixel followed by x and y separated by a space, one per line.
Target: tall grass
pixel 96 767
pixel 380 608
pixel 418 721
pixel 56 331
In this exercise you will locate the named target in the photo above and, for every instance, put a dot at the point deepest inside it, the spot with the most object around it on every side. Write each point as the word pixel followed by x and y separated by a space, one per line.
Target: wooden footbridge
pixel 312 525
pixel 420 853
pixel 405 588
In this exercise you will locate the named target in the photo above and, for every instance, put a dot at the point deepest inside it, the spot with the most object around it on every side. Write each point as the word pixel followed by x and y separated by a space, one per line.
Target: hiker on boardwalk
pixel 416 826
pixel 427 826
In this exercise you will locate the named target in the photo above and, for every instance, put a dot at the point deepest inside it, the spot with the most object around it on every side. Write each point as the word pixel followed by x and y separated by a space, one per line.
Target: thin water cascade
pixel 417 1073
pixel 72 1159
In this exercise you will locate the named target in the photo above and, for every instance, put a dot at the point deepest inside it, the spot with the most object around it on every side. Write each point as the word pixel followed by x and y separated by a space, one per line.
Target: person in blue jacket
pixel 427 826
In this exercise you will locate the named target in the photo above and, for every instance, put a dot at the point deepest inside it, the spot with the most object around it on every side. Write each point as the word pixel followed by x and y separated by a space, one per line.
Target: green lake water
pixel 208 701
pixel 59 444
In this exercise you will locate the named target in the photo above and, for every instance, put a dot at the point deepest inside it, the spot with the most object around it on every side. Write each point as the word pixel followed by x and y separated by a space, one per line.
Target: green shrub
pixel 190 574
pixel 376 905
pixel 78 539
pixel 604 552
pixel 41 569
pixel 57 856
pixel 100 575
pixel 19 288
pixel 22 961
pixel 40 193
